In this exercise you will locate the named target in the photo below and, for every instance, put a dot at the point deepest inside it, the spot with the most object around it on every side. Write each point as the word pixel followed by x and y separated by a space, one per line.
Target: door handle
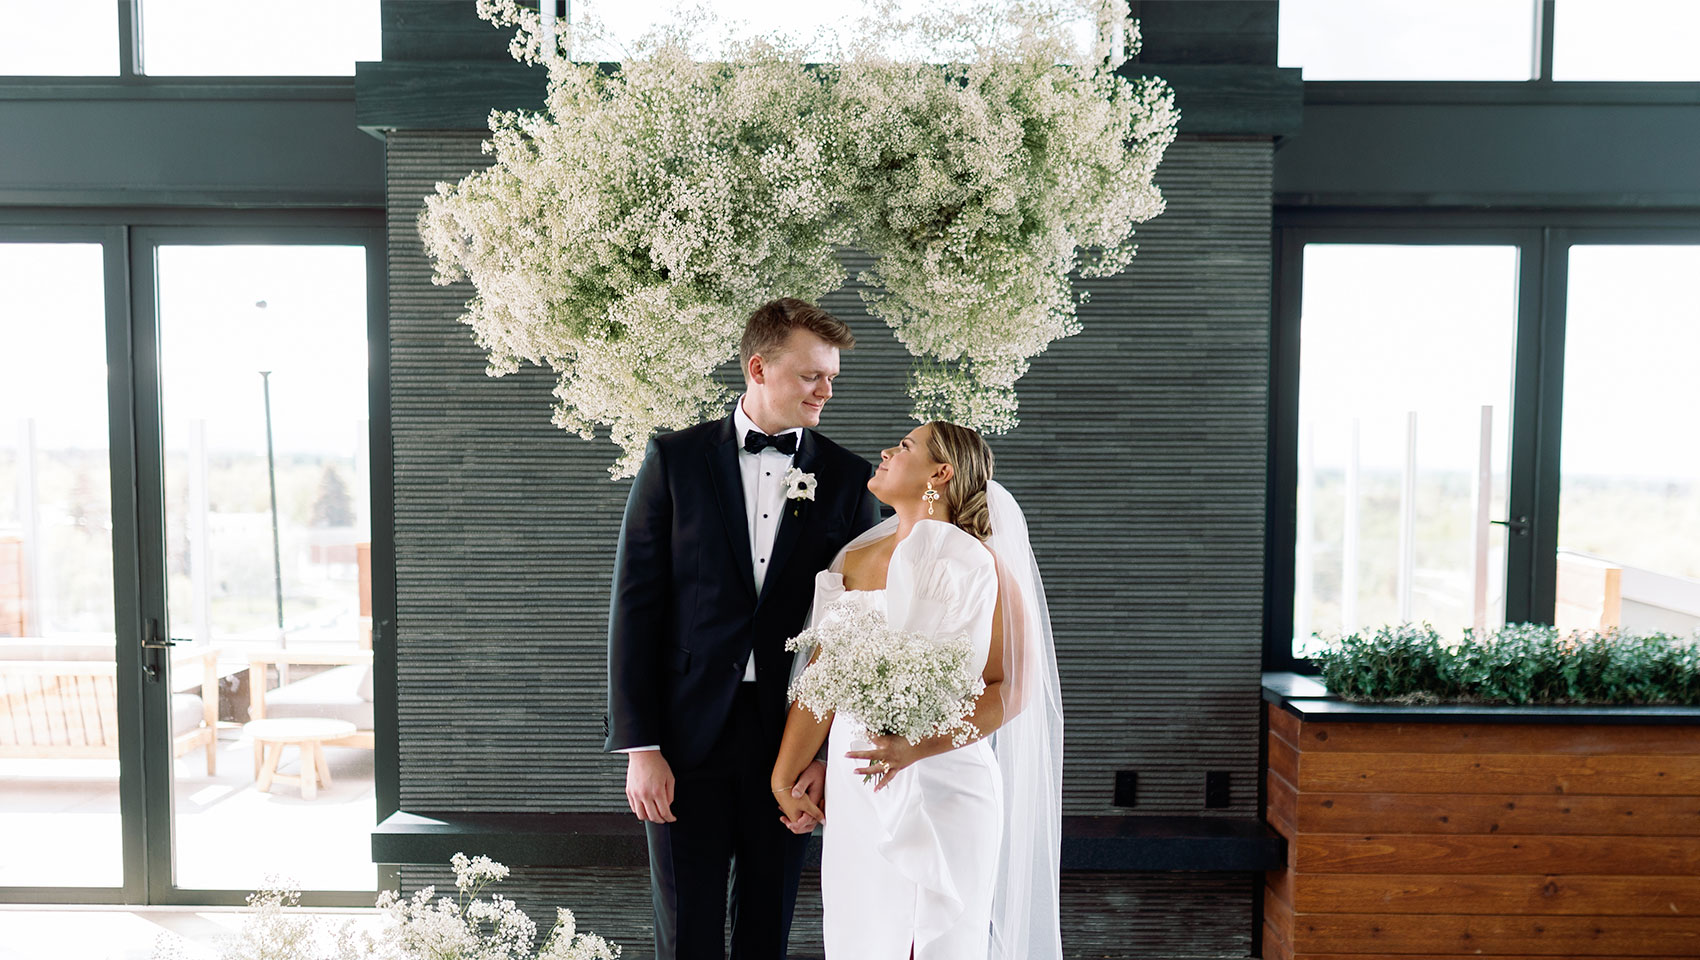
pixel 152 646
pixel 1518 525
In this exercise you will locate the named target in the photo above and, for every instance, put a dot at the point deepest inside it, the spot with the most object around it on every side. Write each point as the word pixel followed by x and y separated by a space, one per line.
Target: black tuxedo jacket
pixel 685 616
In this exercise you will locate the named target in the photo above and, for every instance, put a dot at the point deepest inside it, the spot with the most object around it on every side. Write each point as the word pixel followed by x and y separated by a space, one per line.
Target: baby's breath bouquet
pixel 891 682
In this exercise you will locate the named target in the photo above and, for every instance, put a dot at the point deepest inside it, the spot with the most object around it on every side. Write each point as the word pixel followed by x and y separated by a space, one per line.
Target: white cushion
pixel 335 693
pixel 185 713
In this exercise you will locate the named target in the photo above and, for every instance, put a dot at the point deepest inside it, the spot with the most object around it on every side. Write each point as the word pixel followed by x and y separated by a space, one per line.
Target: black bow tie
pixel 755 442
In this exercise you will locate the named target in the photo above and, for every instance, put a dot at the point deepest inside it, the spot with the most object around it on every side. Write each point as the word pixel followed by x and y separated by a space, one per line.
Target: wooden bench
pixel 68 708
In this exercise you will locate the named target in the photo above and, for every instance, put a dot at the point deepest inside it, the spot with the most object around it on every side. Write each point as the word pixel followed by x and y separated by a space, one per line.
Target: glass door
pixel 61 726
pixel 261 529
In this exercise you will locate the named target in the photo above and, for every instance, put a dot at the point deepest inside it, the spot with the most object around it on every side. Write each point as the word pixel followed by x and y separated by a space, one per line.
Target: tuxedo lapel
pixel 794 517
pixel 729 491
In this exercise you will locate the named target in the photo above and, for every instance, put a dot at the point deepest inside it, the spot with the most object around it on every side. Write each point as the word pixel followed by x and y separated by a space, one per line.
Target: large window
pixel 818 27
pixel 1626 40
pixel 1402 40
pixel 292 38
pixel 1490 40
pixel 63 38
pixel 280 38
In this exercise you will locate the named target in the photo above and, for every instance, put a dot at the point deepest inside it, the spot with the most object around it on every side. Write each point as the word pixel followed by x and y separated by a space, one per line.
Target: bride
pixel 938 852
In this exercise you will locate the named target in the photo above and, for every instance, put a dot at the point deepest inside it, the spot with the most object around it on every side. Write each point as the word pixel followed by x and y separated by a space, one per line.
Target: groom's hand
pixel 649 786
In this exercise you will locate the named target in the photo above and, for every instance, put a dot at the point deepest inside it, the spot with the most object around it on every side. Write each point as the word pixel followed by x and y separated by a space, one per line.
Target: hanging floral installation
pixel 625 232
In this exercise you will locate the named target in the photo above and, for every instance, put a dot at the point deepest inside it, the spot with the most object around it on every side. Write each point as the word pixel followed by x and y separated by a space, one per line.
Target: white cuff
pixel 638 749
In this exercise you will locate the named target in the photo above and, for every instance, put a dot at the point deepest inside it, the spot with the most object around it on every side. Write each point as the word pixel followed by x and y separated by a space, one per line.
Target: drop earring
pixel 931 497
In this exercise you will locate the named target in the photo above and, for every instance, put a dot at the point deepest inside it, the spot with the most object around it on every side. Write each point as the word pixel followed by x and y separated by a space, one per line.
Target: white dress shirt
pixel 764 499
pixel 764 502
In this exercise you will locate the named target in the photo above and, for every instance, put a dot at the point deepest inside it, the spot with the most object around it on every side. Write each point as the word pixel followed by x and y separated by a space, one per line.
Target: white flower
pixel 799 485
pixel 888 681
pixel 472 874
pixel 421 926
pixel 625 232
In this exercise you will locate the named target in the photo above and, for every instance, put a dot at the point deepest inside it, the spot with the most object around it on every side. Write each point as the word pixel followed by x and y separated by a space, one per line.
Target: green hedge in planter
pixel 1518 663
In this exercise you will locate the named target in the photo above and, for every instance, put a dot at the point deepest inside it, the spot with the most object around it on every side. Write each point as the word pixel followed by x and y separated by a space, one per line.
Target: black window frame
pixel 1544 239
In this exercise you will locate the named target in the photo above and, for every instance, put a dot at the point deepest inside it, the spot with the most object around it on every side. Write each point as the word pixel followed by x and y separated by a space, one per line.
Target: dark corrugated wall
pixel 1140 462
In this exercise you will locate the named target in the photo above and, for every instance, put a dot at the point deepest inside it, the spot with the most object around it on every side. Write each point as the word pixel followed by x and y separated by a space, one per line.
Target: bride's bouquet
pixel 892 682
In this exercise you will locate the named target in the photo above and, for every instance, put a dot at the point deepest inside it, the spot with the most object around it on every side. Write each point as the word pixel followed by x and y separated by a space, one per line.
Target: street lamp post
pixel 271 476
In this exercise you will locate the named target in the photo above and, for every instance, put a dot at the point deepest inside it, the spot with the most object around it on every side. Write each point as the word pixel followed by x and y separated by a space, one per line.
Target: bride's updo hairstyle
pixel 965 494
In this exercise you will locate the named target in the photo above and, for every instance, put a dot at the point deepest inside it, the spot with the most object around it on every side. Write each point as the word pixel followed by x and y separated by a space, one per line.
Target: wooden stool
pixel 308 734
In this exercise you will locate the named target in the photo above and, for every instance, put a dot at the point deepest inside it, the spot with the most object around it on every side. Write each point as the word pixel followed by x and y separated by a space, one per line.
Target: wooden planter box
pixel 1482 832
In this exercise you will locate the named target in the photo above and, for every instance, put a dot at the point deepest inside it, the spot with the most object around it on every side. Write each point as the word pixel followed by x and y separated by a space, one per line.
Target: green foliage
pixel 1522 663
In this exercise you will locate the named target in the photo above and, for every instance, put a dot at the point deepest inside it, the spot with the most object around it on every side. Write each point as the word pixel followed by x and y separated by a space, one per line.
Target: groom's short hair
pixel 770 326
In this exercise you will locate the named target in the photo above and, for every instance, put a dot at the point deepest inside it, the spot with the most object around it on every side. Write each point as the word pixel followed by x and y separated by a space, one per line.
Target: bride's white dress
pixel 917 862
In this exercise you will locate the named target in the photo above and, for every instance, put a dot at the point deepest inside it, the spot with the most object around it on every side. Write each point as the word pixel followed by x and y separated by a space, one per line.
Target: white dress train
pixel 916 864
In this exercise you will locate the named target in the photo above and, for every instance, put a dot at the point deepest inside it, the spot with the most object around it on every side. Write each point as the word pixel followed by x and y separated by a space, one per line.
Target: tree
pixel 333 507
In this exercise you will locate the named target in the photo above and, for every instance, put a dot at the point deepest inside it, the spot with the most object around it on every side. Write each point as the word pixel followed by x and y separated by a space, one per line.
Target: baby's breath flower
pixel 890 682
pixel 413 928
pixel 470 874
pixel 625 232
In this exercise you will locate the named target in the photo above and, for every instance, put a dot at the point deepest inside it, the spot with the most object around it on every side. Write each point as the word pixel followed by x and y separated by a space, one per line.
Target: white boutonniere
pixel 799 485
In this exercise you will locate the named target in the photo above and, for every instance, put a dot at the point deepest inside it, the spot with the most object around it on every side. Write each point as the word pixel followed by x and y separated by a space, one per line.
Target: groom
pixel 726 526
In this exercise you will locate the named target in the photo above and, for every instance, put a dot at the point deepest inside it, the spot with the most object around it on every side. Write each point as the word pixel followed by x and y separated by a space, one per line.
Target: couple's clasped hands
pixel 800 803
pixel 650 785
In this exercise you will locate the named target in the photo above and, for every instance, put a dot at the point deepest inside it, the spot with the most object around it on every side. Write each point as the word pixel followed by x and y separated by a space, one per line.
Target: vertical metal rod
pixel 1483 520
pixel 271 475
pixel 1546 13
pixel 1408 519
pixel 129 39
